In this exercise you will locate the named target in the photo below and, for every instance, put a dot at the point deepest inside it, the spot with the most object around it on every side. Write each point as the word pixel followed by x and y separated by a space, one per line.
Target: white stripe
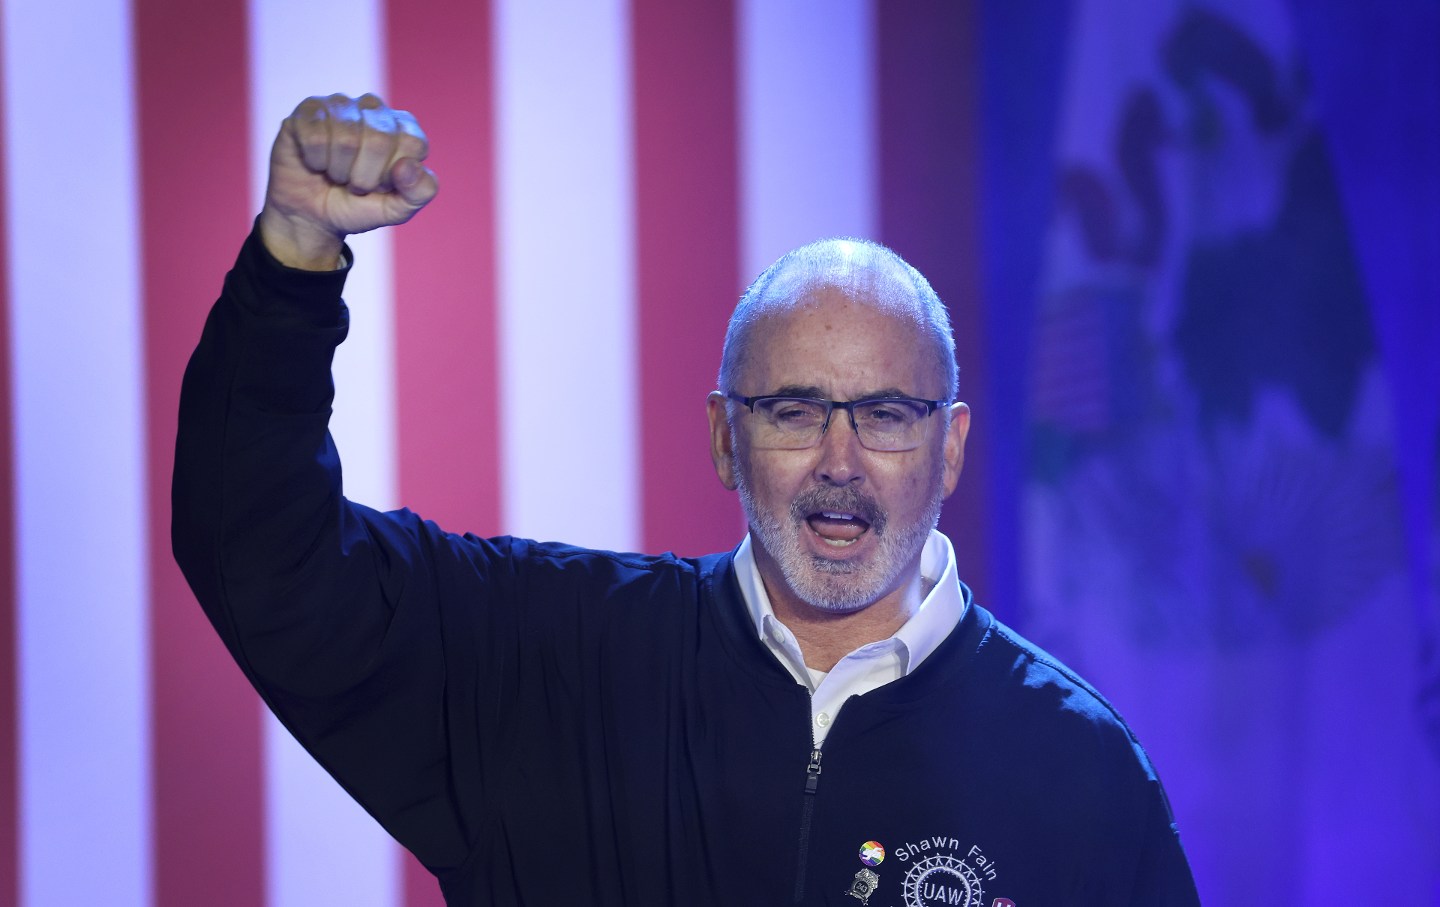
pixel 82 640
pixel 565 264
pixel 321 848
pixel 807 125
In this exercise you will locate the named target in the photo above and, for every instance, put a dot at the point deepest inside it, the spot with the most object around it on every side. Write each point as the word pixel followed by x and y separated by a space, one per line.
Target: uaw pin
pixel 872 853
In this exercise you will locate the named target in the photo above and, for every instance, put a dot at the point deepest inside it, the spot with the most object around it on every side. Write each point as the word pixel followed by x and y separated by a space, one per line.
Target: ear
pixel 954 452
pixel 722 448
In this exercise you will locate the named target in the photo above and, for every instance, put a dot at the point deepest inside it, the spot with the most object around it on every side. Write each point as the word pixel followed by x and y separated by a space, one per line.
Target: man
pixel 819 717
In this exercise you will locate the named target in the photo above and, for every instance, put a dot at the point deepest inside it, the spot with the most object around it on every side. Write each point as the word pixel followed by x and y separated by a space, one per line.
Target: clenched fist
pixel 339 166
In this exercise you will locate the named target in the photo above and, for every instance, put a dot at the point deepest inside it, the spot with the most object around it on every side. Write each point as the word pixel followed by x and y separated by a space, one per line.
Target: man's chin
pixel 838 587
pixel 824 565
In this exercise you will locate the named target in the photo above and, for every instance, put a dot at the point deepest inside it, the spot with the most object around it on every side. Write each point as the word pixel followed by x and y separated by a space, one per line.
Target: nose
pixel 840 458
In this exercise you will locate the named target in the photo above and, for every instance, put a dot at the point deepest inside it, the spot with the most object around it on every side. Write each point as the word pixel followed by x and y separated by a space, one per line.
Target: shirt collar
pixel 939 612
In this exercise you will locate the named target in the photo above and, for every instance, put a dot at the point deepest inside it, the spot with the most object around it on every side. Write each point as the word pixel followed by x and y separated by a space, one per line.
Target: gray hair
pixel 845 262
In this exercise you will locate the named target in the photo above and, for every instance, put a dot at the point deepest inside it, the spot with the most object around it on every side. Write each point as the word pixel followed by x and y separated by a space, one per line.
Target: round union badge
pixel 942 879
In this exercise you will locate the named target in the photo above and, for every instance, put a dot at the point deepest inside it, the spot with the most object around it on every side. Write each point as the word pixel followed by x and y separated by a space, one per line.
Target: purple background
pixel 1206 393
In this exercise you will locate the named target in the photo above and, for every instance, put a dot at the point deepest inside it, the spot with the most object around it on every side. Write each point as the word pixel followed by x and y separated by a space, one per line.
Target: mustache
pixel 839 500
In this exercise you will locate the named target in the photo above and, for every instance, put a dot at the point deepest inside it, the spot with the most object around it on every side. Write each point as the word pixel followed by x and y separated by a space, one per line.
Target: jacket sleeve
pixel 1162 875
pixel 335 612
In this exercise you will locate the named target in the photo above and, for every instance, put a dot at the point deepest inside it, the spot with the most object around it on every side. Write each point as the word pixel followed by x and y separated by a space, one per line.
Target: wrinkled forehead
pixel 820 306
pixel 842 339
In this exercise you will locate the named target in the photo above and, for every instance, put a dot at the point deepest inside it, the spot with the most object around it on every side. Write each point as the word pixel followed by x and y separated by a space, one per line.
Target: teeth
pixel 831 515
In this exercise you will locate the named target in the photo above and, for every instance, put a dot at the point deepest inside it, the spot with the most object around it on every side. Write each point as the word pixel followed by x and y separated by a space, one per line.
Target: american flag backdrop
pixel 530 355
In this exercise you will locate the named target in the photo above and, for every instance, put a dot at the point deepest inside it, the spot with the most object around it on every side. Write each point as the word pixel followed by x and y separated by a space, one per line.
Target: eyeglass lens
pixel 795 423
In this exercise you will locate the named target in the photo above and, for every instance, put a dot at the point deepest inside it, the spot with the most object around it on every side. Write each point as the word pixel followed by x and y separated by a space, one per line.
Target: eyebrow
pixel 816 393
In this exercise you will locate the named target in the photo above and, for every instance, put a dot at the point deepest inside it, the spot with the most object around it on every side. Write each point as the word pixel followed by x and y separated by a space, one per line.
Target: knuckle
pixel 377 120
pixel 310 107
pixel 345 133
pixel 412 145
pixel 345 146
pixel 413 141
pixel 336 107
pixel 308 119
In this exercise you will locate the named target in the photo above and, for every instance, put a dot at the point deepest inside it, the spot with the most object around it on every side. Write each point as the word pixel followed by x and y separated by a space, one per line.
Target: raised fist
pixel 339 166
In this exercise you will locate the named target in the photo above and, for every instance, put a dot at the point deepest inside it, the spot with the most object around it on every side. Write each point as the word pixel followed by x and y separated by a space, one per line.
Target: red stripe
pixel 927 107
pixel 447 386
pixel 445 269
pixel 194 188
pixel 687 252
pixel 9 666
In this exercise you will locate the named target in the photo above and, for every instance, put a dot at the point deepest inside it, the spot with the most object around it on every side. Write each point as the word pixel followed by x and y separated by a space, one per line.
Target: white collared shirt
pixel 872 665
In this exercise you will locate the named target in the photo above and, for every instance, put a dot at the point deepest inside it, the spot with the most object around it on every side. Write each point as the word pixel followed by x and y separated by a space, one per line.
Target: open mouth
pixel 839 518
pixel 837 528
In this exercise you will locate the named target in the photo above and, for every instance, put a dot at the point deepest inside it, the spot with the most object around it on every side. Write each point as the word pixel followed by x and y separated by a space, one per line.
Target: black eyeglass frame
pixel 831 405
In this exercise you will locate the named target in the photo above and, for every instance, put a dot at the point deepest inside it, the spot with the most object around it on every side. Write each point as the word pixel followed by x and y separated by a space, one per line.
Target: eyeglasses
pixel 797 423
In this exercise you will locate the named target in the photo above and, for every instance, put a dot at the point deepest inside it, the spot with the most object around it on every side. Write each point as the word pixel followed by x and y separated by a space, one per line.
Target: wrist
pixel 298 243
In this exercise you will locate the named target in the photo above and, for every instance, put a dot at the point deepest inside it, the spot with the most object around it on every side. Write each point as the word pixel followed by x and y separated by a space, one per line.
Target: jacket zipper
pixel 807 812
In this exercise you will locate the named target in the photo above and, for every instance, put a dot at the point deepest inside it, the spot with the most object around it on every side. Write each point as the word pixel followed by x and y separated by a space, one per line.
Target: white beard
pixel 839 586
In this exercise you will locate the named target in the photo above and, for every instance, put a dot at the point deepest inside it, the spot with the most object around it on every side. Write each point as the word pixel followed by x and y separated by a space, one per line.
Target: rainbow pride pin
pixel 872 853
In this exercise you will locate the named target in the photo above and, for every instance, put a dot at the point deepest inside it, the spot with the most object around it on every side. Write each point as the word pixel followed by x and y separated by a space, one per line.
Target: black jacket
pixel 542 724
